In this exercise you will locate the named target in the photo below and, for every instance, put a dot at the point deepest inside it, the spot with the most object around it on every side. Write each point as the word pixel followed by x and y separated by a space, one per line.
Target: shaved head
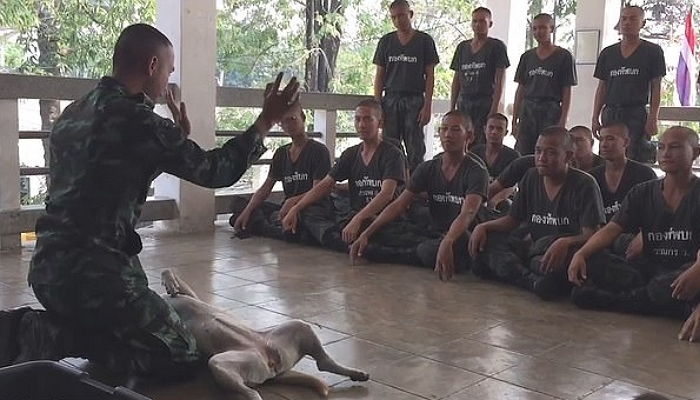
pixel 616 128
pixel 546 18
pixel 691 135
pixel 639 10
pixel 373 104
pixel 464 119
pixel 562 134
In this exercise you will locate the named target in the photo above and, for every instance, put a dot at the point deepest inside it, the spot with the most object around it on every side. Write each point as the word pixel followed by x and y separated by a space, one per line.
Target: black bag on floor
pixel 50 380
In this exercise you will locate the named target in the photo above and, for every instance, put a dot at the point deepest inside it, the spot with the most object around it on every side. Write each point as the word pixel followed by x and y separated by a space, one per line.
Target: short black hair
pixel 497 116
pixel 584 129
pixel 482 9
pixel 465 118
pixel 558 131
pixel 399 3
pixel 691 134
pixel 546 16
pixel 635 7
pixel 374 104
pixel 136 45
pixel 617 125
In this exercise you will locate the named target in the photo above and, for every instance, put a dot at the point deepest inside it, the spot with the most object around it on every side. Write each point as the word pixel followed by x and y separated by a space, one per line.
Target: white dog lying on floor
pixel 241 358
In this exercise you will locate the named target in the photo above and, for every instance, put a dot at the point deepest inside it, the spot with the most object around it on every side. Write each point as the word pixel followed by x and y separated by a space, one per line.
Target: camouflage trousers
pixel 534 117
pixel 640 286
pixel 264 220
pixel 323 222
pixel 511 259
pixel 413 241
pixel 635 117
pixel 401 111
pixel 105 309
pixel 478 110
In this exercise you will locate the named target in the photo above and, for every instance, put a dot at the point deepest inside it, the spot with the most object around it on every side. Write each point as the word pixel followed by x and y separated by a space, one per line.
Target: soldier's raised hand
pixel 277 102
pixel 179 112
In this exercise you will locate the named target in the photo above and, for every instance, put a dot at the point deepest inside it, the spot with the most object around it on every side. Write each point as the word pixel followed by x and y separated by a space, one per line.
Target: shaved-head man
pixel 479 65
pixel 629 78
pixel 561 207
pixel 545 76
pixel 405 76
pixel 106 150
pixel 665 279
pixel 374 170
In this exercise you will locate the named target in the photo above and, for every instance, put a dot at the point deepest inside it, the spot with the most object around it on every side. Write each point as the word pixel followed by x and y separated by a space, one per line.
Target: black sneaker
pixel 591 298
pixel 9 332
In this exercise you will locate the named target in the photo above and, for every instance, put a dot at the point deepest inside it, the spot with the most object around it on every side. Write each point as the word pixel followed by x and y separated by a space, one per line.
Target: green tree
pixel 67 38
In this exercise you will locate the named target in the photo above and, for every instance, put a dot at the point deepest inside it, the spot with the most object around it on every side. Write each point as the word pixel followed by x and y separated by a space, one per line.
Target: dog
pixel 241 358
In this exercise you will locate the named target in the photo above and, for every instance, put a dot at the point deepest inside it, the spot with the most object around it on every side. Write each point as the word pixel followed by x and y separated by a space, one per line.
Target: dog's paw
pixel 171 283
pixel 359 376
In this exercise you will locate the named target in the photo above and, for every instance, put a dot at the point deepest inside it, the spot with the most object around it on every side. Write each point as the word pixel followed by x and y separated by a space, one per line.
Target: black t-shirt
pixel 365 181
pixel 545 79
pixel 477 71
pixel 298 177
pixel 577 205
pixel 445 198
pixel 515 171
pixel 669 237
pixel 505 157
pixel 633 174
pixel 405 65
pixel 597 162
pixel 627 79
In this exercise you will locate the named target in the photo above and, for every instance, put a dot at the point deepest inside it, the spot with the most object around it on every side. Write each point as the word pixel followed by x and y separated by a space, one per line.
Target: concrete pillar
pixel 190 25
pixel 509 25
pixel 600 15
pixel 429 138
pixel 326 122
pixel 9 165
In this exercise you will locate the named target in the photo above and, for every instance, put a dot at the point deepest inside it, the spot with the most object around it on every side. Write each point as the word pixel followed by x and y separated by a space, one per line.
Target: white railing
pixel 15 219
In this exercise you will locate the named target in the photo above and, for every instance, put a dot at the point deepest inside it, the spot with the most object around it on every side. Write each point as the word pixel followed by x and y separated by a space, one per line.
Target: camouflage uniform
pixel 106 148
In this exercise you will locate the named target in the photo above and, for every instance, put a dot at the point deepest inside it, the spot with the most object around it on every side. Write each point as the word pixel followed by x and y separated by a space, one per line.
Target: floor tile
pixel 419 338
pixel 498 390
pixel 553 379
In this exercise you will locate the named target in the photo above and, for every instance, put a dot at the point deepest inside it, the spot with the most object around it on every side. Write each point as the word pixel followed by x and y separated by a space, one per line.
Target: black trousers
pixel 401 111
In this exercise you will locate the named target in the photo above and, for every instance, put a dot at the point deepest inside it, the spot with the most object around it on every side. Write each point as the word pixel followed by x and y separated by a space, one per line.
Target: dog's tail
pixel 301 379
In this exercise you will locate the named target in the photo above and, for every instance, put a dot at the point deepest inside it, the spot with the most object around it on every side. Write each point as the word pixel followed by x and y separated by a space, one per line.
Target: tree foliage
pixel 70 37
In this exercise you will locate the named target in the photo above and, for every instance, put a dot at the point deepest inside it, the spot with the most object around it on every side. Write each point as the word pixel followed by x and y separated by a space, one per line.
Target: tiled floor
pixel 418 338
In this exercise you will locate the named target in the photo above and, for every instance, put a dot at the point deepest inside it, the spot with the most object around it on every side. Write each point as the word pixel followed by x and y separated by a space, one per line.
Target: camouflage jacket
pixel 106 149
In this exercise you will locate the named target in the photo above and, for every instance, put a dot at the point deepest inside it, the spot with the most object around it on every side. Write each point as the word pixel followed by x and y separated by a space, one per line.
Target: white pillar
pixel 509 25
pixel 326 122
pixel 600 15
pixel 9 165
pixel 429 137
pixel 191 26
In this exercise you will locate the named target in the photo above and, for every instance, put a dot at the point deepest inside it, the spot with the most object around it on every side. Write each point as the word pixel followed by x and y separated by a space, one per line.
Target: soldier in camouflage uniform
pixel 106 149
